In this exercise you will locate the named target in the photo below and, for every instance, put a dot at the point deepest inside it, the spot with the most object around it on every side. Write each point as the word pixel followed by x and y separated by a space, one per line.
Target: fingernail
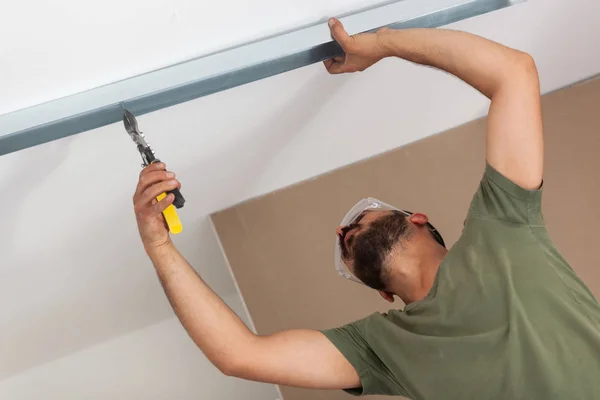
pixel 331 22
pixel 170 175
pixel 172 182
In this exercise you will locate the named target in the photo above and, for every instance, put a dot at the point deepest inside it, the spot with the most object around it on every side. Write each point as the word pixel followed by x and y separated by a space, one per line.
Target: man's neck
pixel 416 283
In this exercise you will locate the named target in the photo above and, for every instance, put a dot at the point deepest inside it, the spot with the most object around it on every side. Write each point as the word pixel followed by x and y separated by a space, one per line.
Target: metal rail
pixel 219 71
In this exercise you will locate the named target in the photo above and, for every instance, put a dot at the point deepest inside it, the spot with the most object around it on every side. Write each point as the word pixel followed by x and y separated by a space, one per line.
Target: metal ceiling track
pixel 219 71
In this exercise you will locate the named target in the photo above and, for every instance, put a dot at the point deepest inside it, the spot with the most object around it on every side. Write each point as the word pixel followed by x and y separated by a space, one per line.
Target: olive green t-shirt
pixel 506 318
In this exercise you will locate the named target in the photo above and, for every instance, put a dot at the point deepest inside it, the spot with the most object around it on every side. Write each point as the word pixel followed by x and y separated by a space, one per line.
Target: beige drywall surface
pixel 280 246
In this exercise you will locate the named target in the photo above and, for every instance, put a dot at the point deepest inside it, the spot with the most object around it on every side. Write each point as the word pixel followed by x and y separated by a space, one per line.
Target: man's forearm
pixel 481 63
pixel 211 324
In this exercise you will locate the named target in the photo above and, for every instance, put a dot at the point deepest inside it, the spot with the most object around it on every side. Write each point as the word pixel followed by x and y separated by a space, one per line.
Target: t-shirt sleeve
pixel 375 377
pixel 499 198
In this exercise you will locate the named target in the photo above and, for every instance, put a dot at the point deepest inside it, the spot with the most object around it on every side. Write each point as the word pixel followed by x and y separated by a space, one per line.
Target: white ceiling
pixel 72 271
pixel 68 46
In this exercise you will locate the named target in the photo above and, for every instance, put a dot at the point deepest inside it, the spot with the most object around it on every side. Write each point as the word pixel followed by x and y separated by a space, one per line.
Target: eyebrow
pixel 360 216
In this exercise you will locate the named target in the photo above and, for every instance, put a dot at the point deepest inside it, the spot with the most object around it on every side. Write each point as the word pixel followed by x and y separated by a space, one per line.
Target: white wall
pixel 74 274
pixel 157 362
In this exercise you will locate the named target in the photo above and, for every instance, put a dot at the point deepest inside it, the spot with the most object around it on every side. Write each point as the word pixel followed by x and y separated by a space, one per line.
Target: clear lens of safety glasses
pixel 364 205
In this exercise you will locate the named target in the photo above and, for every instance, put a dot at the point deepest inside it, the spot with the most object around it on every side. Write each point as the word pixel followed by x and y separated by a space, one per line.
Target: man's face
pixel 348 234
pixel 367 243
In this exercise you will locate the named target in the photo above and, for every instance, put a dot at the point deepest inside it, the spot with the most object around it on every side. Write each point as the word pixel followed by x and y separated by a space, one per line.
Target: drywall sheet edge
pixel 219 71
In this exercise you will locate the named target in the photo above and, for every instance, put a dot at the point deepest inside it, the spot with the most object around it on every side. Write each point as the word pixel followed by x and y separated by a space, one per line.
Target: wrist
pixel 385 42
pixel 156 249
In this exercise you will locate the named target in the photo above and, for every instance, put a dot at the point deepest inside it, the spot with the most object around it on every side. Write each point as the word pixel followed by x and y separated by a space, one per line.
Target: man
pixel 499 316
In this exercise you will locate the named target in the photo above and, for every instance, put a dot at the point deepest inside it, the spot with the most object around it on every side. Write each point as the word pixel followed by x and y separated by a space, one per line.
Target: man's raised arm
pixel 506 76
pixel 302 358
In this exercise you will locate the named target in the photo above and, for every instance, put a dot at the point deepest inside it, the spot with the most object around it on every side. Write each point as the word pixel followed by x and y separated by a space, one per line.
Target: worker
pixel 500 315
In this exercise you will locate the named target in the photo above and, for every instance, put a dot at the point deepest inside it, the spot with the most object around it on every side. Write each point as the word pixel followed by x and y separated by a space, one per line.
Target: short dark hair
pixel 371 248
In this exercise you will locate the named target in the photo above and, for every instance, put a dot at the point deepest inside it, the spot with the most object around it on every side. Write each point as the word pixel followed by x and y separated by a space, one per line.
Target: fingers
pixel 154 180
pixel 143 181
pixel 150 179
pixel 153 191
pixel 159 166
pixel 339 33
pixel 335 67
pixel 164 203
pixel 328 63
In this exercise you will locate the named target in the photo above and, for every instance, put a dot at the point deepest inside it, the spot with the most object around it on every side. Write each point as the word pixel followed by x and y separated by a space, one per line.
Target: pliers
pixel 148 157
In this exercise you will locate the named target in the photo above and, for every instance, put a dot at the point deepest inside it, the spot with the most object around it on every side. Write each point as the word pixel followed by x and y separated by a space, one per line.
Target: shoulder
pixel 500 199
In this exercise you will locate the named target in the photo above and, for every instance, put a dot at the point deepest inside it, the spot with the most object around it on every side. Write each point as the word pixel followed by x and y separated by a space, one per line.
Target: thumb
pixel 339 33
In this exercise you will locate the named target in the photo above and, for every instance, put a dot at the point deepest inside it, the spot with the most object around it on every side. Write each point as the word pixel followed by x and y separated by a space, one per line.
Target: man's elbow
pixel 236 361
pixel 227 370
pixel 519 74
pixel 235 367
pixel 525 64
pixel 228 367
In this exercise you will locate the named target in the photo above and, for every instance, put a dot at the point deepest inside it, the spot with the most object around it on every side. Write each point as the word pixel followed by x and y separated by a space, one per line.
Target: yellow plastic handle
pixel 170 214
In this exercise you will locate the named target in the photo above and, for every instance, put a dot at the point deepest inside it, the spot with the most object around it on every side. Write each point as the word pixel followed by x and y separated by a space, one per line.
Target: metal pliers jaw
pixel 131 126
pixel 148 157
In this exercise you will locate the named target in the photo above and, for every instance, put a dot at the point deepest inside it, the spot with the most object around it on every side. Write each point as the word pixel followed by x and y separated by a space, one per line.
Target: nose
pixel 339 230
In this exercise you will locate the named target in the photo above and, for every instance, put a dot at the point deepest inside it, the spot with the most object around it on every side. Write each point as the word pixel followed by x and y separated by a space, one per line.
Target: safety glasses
pixel 351 216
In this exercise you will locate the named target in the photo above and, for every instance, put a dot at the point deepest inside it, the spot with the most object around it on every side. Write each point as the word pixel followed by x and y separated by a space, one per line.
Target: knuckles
pixel 152 167
pixel 137 209
pixel 148 178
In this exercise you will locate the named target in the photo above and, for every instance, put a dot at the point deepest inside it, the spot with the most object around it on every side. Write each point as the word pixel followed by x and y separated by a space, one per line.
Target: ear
pixel 387 296
pixel 419 219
